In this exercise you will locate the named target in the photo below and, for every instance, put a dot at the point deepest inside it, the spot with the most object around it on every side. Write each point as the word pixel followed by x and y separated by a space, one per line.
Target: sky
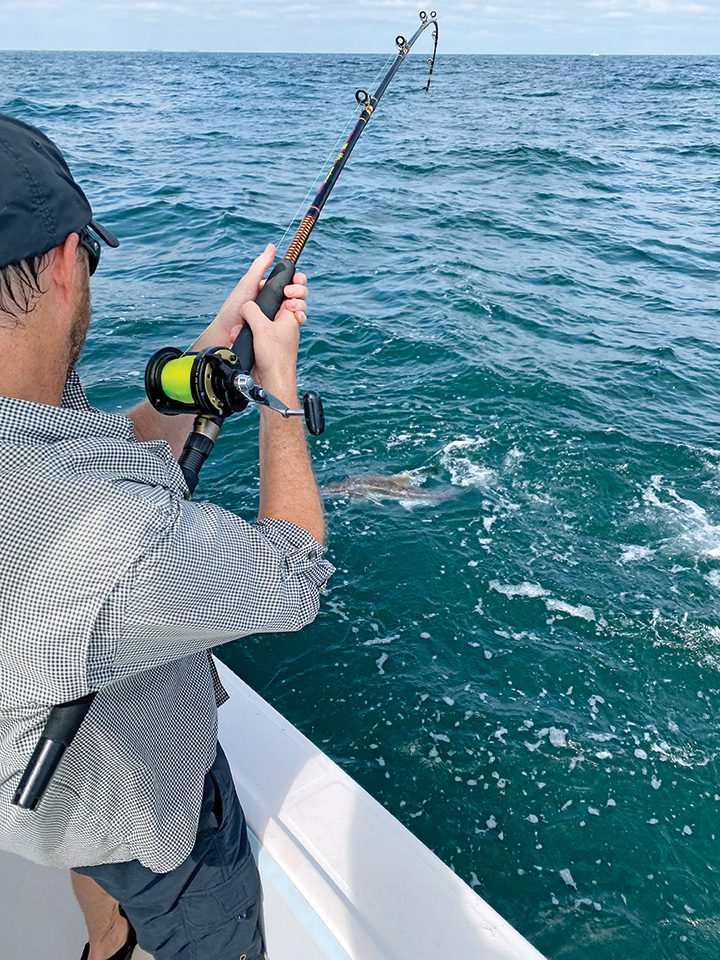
pixel 363 26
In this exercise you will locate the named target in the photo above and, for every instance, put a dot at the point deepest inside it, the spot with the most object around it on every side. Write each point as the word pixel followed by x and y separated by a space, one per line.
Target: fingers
pixel 260 264
pixel 295 304
pixel 297 294
pixel 300 317
pixel 284 315
pixel 253 315
pixel 297 290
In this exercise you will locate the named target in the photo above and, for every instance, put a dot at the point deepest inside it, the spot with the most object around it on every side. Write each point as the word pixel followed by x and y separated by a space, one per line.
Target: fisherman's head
pixel 49 243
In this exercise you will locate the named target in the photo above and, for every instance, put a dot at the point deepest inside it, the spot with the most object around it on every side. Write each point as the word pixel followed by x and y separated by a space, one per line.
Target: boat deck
pixel 342 879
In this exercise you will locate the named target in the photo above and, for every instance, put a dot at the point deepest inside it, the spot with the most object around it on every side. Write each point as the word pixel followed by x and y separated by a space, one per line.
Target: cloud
pixel 509 10
pixel 305 25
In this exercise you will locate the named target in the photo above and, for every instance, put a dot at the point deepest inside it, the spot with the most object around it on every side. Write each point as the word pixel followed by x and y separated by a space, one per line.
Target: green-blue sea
pixel 514 300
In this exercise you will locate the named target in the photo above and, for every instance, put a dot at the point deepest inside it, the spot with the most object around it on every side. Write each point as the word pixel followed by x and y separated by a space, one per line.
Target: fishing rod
pixel 213 384
pixel 217 381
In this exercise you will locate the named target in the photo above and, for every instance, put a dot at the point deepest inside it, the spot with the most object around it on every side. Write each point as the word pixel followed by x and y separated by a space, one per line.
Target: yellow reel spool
pixel 176 379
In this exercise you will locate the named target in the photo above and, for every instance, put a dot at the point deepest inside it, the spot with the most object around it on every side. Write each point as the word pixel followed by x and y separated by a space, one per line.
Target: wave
pixel 551 158
pixel 688 526
pixel 682 85
pixel 32 110
pixel 579 611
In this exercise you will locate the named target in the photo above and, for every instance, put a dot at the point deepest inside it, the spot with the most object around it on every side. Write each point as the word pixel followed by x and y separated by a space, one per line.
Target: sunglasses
pixel 92 245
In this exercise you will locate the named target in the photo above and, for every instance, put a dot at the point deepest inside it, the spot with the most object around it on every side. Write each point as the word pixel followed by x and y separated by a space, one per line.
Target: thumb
pixel 261 263
pixel 253 316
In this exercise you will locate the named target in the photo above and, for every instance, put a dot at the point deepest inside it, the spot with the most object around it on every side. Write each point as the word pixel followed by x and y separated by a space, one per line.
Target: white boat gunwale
pixel 342 878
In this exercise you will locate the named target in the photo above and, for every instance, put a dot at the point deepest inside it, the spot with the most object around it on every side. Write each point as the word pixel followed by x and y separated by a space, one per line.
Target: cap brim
pixel 105 235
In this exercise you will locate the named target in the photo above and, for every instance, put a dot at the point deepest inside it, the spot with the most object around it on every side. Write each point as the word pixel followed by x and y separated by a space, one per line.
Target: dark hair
pixel 20 286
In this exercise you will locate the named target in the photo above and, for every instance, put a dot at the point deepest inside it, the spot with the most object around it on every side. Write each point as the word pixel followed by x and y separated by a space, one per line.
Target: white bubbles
pixel 580 610
pixel 532 591
pixel 634 552
pixel 518 590
pixel 689 527
pixel 557 737
pixel 457 458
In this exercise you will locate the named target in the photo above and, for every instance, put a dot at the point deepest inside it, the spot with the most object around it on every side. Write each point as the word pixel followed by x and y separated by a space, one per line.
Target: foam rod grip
pixel 269 300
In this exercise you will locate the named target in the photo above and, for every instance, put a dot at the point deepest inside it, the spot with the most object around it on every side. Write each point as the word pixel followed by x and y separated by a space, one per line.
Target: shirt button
pixel 313 554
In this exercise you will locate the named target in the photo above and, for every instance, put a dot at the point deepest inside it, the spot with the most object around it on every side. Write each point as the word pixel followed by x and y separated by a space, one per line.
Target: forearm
pixel 151 425
pixel 288 489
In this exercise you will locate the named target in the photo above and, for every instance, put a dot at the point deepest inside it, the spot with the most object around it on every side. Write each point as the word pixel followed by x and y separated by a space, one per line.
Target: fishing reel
pixel 211 383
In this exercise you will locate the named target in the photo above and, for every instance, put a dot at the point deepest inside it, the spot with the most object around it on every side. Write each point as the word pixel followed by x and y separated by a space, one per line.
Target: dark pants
pixel 208 908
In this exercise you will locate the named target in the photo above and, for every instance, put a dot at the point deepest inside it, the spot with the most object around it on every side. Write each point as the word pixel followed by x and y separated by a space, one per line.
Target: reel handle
pixel 269 300
pixel 314 412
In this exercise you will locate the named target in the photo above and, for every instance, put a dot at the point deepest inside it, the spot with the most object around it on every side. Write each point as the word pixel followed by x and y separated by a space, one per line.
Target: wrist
pixel 210 337
pixel 284 387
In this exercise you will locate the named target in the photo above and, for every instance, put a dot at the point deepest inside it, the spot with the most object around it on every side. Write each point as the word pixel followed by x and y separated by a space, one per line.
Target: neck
pixel 34 361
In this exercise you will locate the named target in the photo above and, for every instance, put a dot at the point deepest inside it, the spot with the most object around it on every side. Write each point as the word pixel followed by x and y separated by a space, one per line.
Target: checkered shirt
pixel 113 581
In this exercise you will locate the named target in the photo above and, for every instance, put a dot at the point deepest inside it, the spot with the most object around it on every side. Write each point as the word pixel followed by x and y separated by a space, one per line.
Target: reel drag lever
pixel 312 403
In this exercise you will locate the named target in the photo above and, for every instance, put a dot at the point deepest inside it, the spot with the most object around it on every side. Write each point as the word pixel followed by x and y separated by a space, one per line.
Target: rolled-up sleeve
pixel 211 578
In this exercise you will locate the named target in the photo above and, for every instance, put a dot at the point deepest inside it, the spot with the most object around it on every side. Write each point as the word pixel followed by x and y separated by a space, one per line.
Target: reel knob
pixel 314 412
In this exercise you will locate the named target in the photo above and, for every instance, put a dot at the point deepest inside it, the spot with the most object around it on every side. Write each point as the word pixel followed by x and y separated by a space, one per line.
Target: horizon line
pixel 339 53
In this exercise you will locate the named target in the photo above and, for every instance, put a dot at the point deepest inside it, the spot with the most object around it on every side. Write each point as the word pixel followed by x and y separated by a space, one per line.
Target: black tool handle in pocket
pixel 62 725
pixel 269 300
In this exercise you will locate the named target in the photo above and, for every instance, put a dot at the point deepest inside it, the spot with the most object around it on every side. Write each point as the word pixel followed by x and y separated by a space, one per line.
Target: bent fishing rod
pixel 213 384
pixel 217 382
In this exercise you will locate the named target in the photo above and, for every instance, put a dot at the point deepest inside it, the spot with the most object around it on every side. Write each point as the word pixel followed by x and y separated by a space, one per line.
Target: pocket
pixel 226 900
pixel 224 920
pixel 240 937
pixel 212 810
pixel 217 806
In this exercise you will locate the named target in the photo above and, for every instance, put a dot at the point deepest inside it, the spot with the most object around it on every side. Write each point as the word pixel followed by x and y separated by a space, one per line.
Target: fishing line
pixel 326 161
pixel 333 152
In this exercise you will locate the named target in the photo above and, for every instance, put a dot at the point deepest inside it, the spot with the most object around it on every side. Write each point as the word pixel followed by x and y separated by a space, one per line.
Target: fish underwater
pixel 401 487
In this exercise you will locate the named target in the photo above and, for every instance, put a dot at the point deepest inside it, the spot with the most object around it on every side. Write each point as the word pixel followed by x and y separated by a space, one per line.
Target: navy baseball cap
pixel 40 202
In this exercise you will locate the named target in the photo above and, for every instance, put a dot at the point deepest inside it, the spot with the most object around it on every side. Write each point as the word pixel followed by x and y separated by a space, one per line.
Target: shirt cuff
pixel 302 552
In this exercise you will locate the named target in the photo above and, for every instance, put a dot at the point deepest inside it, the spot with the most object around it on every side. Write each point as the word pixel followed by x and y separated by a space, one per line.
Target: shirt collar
pixel 74 395
pixel 22 421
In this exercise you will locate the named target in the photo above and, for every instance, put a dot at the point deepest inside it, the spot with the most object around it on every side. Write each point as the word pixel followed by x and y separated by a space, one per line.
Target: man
pixel 113 581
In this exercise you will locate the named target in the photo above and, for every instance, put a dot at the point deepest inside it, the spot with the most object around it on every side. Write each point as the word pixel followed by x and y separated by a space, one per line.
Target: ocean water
pixel 514 299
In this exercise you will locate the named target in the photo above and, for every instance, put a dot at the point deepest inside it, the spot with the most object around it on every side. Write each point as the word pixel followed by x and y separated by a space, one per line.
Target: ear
pixel 63 266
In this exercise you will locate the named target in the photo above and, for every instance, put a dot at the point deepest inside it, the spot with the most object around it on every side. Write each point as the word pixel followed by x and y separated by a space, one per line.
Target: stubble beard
pixel 79 329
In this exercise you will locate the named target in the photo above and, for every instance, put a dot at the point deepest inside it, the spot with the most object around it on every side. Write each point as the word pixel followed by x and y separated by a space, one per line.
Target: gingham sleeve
pixel 213 578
